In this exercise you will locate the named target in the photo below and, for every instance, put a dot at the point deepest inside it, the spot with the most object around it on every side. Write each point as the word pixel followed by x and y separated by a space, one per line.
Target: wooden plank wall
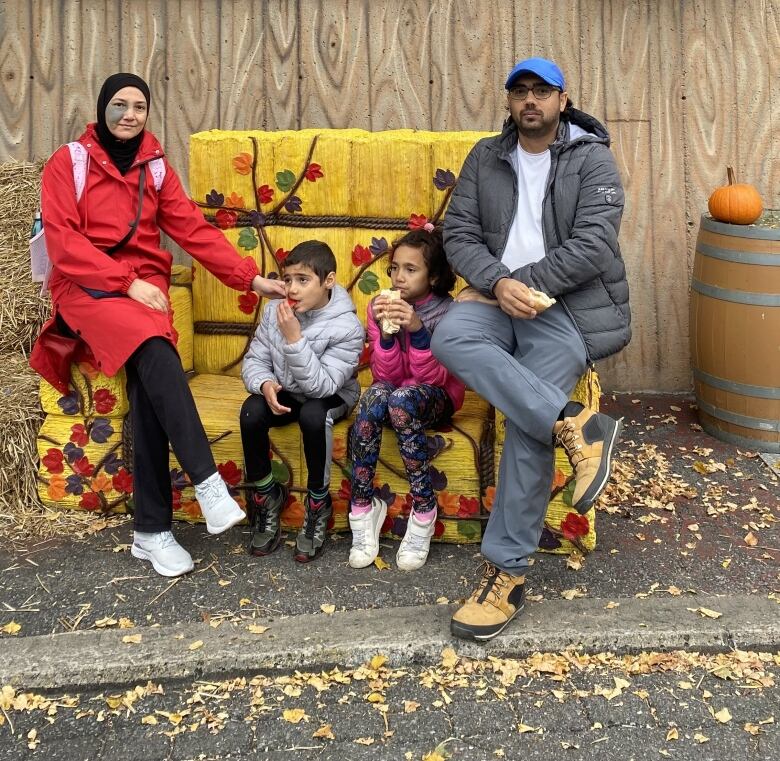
pixel 684 86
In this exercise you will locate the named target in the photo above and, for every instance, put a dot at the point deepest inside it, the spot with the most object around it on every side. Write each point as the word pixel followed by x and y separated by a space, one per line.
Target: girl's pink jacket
pixel 403 365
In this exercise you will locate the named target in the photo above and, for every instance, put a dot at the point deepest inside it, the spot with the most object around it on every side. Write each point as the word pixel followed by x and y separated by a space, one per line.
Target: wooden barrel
pixel 735 333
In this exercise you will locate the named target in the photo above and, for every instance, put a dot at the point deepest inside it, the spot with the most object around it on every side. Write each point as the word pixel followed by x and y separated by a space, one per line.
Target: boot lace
pixel 567 438
pixel 260 513
pixel 500 580
pixel 311 517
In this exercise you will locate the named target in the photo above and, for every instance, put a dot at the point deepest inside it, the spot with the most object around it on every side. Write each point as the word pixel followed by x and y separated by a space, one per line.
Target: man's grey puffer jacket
pixel 322 363
pixel 581 213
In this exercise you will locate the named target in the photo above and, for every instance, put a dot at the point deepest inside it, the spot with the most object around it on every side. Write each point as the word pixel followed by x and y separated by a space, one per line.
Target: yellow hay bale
pixel 81 463
pixel 92 393
pixel 214 352
pixel 181 304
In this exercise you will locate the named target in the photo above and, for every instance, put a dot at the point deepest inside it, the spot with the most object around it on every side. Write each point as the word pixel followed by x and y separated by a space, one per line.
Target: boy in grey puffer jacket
pixel 301 366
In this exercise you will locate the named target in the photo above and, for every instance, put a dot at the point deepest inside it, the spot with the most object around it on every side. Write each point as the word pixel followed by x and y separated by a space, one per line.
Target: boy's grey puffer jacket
pixel 322 363
pixel 581 213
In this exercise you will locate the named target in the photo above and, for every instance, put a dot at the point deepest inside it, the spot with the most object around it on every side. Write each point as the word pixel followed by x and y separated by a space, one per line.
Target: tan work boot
pixel 588 439
pixel 495 602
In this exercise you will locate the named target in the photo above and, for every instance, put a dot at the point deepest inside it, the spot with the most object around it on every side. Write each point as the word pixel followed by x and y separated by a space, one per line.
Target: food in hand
pixel 541 300
pixel 388 326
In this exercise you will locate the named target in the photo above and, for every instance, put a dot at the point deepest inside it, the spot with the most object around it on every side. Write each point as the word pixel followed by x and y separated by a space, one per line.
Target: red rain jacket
pixel 77 235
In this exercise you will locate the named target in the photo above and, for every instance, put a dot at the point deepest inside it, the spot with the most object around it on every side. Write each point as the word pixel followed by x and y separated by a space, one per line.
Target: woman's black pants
pixel 162 413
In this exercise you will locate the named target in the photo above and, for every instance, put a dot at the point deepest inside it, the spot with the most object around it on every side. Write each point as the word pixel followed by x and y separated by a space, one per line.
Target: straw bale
pixel 22 309
pixel 92 393
pixel 213 353
pixel 20 418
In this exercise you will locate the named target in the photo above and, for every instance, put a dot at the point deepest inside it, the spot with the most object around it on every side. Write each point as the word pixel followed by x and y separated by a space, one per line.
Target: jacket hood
pixel 149 149
pixel 595 130
pixel 340 303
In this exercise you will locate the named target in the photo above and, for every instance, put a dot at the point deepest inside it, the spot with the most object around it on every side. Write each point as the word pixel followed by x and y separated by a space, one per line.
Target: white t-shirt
pixel 525 243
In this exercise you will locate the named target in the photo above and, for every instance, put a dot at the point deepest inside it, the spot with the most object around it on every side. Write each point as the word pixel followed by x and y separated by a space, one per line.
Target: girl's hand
pixel 288 323
pixel 265 286
pixel 378 306
pixel 402 314
pixel 148 294
pixel 270 391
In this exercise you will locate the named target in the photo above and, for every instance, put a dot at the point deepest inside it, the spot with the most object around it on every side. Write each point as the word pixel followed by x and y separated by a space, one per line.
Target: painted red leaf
pixel 90 501
pixel 52 461
pixel 574 526
pixel 230 473
pixel 247 302
pixel 104 400
pixel 83 466
pixel 314 172
pixel 225 219
pixel 361 255
pixel 265 194
pixel 79 435
pixel 123 482
pixel 417 221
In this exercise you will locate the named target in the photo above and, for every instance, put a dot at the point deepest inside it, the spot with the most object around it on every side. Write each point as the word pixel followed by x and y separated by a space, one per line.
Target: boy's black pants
pixel 315 418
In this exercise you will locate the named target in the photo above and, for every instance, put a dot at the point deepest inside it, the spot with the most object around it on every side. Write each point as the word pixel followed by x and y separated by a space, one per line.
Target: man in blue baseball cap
pixel 532 226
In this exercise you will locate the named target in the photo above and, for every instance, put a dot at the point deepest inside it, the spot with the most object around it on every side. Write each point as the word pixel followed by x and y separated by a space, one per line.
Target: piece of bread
pixel 541 300
pixel 388 326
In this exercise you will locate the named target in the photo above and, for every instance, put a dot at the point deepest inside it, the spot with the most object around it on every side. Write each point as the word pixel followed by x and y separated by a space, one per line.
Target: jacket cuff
pixel 420 339
pixel 129 279
pixel 387 343
pixel 244 274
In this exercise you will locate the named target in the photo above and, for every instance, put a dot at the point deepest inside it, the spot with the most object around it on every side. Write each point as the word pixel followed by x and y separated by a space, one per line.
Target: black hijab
pixel 122 152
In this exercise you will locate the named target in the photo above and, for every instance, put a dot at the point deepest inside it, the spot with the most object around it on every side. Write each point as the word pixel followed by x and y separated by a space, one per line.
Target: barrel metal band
pixel 757 423
pixel 739 297
pixel 740 257
pixel 746 389
pixel 740 441
pixel 739 231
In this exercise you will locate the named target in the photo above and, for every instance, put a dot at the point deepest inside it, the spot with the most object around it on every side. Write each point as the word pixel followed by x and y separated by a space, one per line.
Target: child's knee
pixel 254 412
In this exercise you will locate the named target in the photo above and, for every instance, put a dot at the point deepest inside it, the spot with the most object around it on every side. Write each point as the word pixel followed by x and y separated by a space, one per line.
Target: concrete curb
pixel 99 658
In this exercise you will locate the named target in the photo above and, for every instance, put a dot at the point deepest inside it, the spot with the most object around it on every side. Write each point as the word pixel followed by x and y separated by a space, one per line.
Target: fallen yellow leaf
pixel 149 720
pixel 380 564
pixel 131 639
pixel 723 716
pixel 377 662
pixel 328 608
pixel 257 629
pixel 376 697
pixel 196 645
pixel 410 706
pixel 294 715
pixel 523 728
pixel 365 741
pixel 672 734
pixel 751 540
pixel 449 658
pixel 700 738
pixel 326 731
pixel 706 612
pixel 11 628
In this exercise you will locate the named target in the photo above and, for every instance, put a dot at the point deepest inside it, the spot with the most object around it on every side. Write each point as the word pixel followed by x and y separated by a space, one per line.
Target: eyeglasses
pixel 541 92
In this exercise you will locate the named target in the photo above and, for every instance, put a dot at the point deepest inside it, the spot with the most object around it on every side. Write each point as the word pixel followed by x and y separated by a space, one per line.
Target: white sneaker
pixel 365 534
pixel 414 547
pixel 219 509
pixel 168 557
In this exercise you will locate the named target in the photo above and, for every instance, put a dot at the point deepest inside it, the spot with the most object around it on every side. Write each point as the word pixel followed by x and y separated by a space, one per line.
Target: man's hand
pixel 270 390
pixel 265 286
pixel 148 294
pixel 288 323
pixel 515 298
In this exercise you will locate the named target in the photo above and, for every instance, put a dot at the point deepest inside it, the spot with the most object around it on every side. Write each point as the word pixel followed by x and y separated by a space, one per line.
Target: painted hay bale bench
pixel 268 191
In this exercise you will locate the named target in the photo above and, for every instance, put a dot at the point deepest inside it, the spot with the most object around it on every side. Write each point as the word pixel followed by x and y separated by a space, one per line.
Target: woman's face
pixel 126 113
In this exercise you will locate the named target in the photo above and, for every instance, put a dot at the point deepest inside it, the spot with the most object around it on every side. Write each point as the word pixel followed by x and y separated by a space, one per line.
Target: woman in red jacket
pixel 115 300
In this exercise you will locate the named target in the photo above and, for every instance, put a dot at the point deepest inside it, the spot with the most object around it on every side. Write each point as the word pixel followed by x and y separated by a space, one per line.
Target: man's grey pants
pixel 527 369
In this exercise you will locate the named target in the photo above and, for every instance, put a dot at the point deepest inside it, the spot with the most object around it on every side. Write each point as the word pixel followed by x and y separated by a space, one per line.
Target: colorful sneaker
pixel 413 550
pixel 311 538
pixel 265 532
pixel 495 602
pixel 589 440
pixel 219 509
pixel 167 556
pixel 365 534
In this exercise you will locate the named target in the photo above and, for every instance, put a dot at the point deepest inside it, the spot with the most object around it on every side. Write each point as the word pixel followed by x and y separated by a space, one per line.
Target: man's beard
pixel 541 127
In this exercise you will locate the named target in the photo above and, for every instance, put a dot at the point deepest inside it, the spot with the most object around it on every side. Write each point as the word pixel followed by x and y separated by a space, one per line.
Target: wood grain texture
pixel 400 89
pixel 334 64
pixel 14 80
pixel 684 87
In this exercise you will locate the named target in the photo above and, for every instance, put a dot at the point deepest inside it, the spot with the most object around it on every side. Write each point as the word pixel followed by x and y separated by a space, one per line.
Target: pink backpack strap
pixel 157 168
pixel 80 160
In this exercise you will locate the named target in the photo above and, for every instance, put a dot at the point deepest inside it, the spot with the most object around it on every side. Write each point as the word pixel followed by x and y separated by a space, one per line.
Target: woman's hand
pixel 288 323
pixel 148 294
pixel 265 286
pixel 270 391
pixel 401 313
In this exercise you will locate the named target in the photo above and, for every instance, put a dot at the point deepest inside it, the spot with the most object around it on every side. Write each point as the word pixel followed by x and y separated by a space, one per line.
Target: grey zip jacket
pixel 581 213
pixel 322 363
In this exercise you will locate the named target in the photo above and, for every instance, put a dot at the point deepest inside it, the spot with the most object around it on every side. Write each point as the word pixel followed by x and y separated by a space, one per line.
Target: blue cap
pixel 543 68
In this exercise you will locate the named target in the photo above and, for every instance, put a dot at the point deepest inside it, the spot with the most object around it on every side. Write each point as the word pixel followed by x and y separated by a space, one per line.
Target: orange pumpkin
pixel 737 204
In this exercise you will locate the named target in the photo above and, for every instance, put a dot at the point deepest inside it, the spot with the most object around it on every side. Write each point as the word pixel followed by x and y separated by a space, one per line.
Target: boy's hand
pixel 270 390
pixel 288 323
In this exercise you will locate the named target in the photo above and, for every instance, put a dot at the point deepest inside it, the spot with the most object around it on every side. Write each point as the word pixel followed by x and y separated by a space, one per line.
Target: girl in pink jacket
pixel 411 392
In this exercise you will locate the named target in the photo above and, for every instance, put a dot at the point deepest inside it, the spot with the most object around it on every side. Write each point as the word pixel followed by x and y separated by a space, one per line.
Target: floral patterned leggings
pixel 409 410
